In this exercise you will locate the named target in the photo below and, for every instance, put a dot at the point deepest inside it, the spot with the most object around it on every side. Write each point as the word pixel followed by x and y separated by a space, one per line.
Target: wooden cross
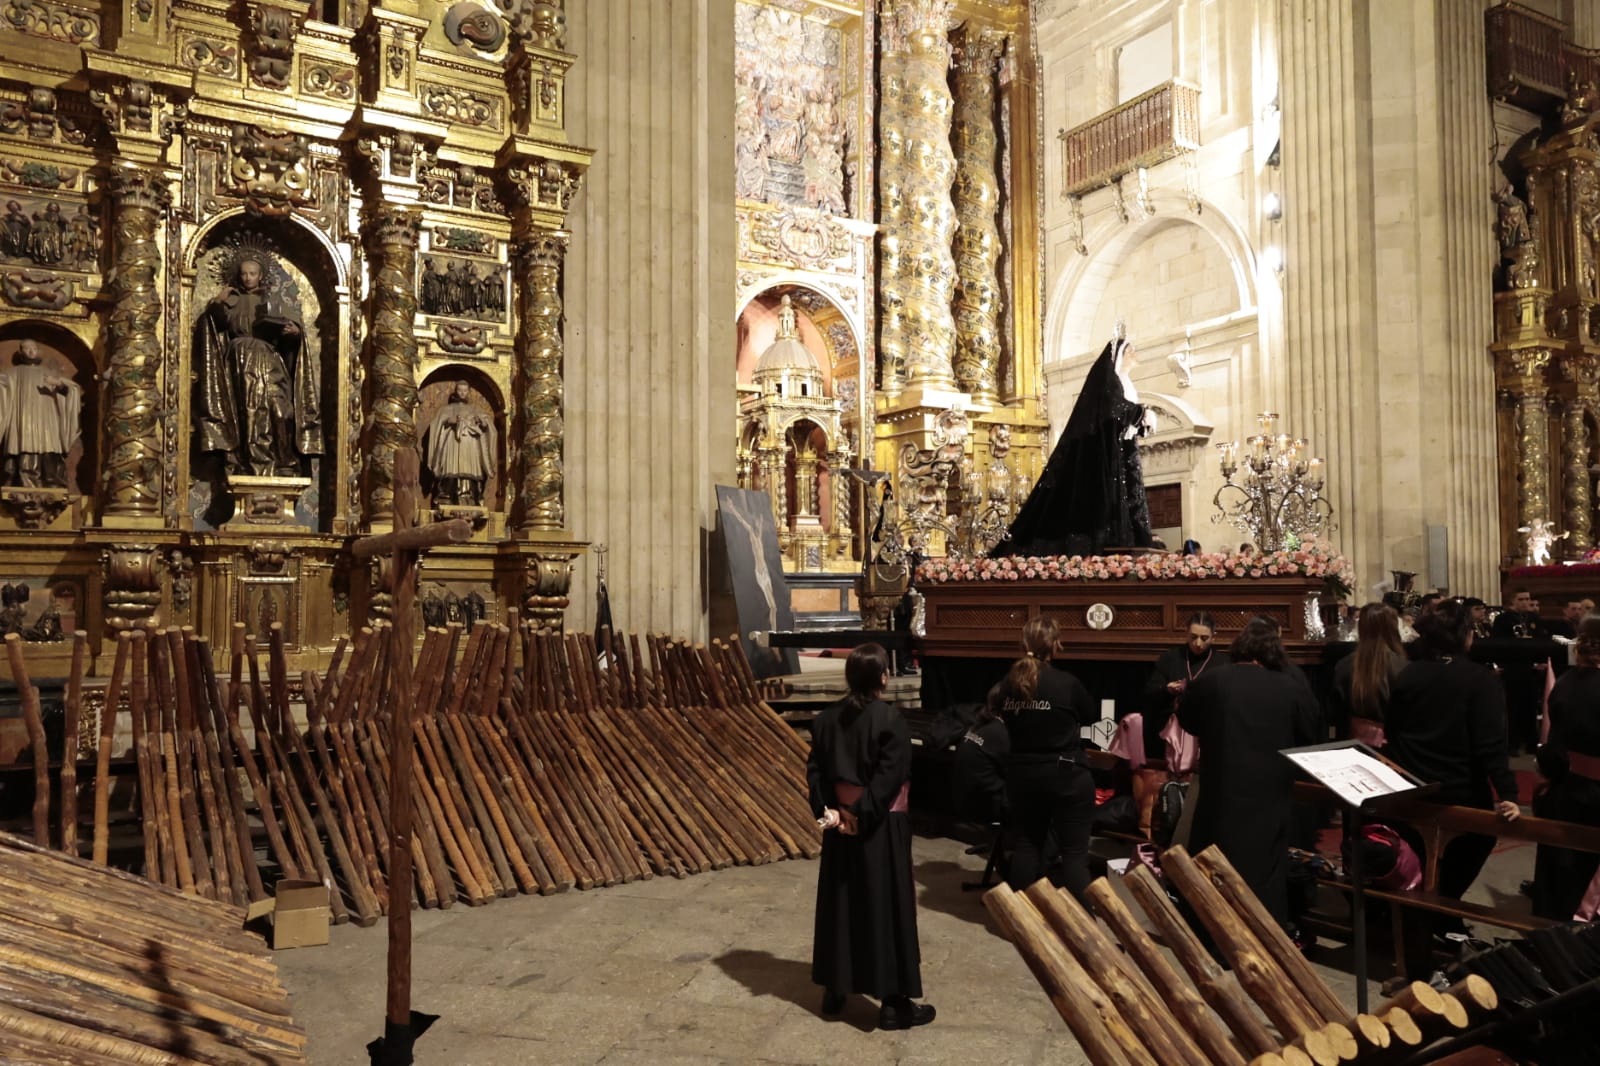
pixel 403 546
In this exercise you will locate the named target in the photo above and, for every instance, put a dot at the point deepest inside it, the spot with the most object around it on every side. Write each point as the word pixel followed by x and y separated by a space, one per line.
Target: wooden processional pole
pixel 403 546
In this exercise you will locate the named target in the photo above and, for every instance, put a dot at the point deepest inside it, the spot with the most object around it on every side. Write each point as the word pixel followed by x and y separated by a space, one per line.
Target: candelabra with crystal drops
pixel 1277 497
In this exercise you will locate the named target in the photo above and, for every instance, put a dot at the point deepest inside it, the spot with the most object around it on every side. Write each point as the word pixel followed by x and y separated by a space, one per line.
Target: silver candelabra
pixel 1277 499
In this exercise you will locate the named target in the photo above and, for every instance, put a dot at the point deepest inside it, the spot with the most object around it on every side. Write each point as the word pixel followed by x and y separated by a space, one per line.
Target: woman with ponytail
pixel 866 923
pixel 1050 790
pixel 1570 761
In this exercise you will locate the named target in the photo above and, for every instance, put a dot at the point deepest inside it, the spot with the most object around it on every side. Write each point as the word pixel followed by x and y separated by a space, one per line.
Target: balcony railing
pixel 1529 57
pixel 1153 126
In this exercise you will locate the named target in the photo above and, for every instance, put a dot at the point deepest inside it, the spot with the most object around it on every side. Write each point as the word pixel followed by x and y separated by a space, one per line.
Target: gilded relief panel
pixel 791 142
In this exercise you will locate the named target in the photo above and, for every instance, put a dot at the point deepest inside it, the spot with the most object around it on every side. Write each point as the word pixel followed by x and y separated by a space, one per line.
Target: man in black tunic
pixel 859 774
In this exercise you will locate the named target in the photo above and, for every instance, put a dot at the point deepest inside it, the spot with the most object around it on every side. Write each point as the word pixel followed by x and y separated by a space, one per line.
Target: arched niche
pixel 65 353
pixel 1139 272
pixel 758 328
pixel 484 396
pixel 307 278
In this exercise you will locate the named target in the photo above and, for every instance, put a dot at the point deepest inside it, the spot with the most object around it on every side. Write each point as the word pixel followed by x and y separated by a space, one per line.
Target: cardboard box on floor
pixel 300 918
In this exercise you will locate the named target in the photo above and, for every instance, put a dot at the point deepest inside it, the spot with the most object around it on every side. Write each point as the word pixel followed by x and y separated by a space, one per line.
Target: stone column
pixel 977 199
pixel 539 354
pixel 133 461
pixel 923 281
pixel 391 233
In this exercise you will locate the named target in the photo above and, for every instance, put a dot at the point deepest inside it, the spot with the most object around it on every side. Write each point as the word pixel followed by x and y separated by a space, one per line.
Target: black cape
pixel 1561 876
pixel 866 923
pixel 1243 717
pixel 1091 494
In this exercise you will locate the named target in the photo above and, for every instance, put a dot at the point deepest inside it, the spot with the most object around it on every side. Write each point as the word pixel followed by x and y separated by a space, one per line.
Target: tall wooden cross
pixel 403 546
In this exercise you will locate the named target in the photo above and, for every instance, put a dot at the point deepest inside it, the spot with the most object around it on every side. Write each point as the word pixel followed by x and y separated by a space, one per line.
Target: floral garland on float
pixel 1308 558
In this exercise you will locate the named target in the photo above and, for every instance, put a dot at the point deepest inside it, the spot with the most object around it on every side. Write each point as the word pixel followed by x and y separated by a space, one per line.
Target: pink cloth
pixel 847 793
pixel 1368 732
pixel 1128 743
pixel 1182 749
pixel 1591 901
pixel 1544 716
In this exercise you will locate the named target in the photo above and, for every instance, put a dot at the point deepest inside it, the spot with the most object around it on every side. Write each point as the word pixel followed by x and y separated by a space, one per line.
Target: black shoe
pixel 1526 888
pixel 905 1015
pixel 832 1002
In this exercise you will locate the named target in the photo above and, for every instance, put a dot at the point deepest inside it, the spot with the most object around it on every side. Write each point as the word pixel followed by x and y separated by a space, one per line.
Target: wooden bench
pixel 1438 824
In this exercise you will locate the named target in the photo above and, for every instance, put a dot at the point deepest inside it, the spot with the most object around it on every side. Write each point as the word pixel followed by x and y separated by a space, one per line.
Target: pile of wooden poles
pixel 535 768
pixel 1130 1006
pixel 101 968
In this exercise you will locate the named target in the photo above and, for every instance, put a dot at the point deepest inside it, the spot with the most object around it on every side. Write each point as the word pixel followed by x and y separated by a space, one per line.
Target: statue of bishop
pixel 39 421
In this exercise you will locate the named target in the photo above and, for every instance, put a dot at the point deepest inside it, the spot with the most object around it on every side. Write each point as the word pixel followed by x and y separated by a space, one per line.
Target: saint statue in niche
pixel 39 421
pixel 258 400
pixel 460 450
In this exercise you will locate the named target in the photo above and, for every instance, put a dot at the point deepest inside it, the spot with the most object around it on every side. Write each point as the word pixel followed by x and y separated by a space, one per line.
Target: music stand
pixel 1364 790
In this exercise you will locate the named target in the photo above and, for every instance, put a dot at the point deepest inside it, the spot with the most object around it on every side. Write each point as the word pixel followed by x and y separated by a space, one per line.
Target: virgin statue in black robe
pixel 1090 497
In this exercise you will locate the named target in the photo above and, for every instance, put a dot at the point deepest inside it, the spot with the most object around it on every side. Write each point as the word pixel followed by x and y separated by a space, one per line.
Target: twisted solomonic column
pixel 539 354
pixel 1583 372
pixel 1526 371
pixel 391 232
pixel 977 199
pixel 892 342
pixel 923 277
pixel 133 458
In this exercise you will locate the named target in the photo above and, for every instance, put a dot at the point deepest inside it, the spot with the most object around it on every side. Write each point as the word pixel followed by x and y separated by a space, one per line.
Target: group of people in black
pixel 1426 703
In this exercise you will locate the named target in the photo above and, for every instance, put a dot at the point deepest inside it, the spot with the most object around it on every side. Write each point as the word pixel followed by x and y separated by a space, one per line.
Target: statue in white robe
pixel 39 421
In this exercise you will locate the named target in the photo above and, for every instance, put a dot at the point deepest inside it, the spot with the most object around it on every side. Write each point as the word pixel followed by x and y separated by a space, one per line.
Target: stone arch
pixel 63 349
pixel 1077 292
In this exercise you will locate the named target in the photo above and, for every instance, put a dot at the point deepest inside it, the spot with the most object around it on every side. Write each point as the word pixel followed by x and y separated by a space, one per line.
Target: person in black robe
pixel 1172 675
pixel 859 773
pixel 1049 788
pixel 1091 497
pixel 980 763
pixel 1243 717
pixel 1570 761
pixel 1446 723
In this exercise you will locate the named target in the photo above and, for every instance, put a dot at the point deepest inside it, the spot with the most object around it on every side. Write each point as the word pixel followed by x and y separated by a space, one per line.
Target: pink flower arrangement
pixel 1311 559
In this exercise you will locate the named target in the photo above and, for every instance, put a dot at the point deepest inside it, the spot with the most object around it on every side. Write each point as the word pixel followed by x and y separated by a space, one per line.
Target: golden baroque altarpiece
pixel 247 252
pixel 911 125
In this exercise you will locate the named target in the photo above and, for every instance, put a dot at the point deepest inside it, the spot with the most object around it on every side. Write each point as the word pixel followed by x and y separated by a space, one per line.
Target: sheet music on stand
pixel 1351 772
pixel 1362 778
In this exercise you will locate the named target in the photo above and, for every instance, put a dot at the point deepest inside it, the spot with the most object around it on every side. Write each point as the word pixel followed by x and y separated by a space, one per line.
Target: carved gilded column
pixel 1523 375
pixel 1582 372
pixel 1575 473
pixel 977 201
pixel 892 341
pixel 539 354
pixel 391 233
pixel 923 280
pixel 133 409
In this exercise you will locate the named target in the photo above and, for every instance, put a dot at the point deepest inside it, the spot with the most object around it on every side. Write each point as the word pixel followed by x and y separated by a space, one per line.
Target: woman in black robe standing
pixel 1091 497
pixel 866 923
pixel 1570 760
pixel 1243 717
pixel 1049 788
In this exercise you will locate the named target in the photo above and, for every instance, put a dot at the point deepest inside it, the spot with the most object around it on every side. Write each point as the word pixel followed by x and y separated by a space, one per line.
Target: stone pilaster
pixel 977 201
pixel 391 232
pixel 133 461
pixel 542 501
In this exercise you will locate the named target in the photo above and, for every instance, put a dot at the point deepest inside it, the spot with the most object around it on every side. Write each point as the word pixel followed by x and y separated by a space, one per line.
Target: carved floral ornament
pixel 52 21
pixel 268 169
pixel 798 236
pixel 37 115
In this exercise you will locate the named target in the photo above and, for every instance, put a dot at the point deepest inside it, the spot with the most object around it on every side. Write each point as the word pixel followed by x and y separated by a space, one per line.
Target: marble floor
pixel 709 969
